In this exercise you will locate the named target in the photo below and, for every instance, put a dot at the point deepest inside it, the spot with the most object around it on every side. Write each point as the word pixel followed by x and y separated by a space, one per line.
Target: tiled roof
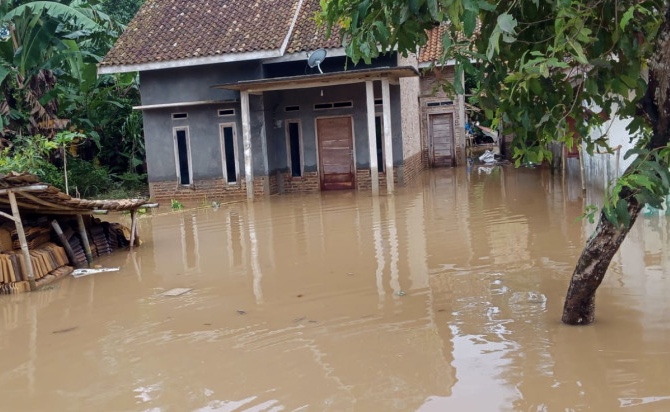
pixel 169 30
pixel 307 35
pixel 166 30
pixel 432 50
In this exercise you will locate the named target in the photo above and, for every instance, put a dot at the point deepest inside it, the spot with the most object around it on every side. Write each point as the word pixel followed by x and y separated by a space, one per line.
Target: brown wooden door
pixel 336 159
pixel 442 139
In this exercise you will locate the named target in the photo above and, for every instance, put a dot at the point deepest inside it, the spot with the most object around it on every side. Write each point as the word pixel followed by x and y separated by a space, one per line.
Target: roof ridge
pixel 284 45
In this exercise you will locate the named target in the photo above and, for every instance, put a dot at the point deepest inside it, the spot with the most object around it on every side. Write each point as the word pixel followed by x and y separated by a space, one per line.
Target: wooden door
pixel 336 153
pixel 442 139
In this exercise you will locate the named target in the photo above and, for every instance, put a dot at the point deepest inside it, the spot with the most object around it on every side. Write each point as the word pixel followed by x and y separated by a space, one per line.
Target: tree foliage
pixel 548 71
pixel 49 52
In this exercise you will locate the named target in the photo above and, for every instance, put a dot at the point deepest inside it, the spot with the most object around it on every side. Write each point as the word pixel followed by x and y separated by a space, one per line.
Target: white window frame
pixel 188 154
pixel 222 146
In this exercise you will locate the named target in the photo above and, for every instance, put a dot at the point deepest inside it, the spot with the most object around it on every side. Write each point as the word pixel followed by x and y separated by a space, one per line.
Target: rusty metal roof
pixel 34 196
pixel 165 31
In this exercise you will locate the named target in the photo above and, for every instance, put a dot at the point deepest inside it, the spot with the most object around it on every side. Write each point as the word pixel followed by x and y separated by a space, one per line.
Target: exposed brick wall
pixel 209 189
pixel 412 168
pixel 307 183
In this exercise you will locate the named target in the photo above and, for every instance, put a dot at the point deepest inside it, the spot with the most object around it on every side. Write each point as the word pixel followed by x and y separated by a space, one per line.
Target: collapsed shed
pixel 44 217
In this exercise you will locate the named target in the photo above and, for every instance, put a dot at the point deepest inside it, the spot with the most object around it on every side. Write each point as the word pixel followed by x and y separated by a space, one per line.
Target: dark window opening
pixel 226 112
pixel 294 148
pixel 176 116
pixel 229 149
pixel 378 102
pixel 182 154
pixel 292 108
pixel 333 105
pixel 379 132
pixel 434 104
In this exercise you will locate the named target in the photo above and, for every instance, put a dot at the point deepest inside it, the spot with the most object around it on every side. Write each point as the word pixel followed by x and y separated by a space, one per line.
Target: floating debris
pixel 177 291
pixel 241 312
pixel 78 273
pixel 66 330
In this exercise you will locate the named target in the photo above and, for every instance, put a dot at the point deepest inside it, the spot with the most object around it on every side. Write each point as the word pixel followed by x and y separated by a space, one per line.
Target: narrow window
pixel 379 132
pixel 321 106
pixel 226 112
pixel 178 116
pixel 183 156
pixel 228 153
pixel 378 102
pixel 292 108
pixel 338 105
pixel 293 140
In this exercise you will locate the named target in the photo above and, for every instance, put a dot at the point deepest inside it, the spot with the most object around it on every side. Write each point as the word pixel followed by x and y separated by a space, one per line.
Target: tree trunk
pixel 654 106
pixel 580 303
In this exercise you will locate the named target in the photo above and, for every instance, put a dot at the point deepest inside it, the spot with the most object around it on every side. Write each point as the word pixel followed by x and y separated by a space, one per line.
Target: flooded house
pixel 251 99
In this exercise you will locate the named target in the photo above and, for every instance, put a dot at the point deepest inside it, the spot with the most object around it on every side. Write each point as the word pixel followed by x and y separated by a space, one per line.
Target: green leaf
pixel 622 212
pixel 432 9
pixel 507 23
pixel 627 16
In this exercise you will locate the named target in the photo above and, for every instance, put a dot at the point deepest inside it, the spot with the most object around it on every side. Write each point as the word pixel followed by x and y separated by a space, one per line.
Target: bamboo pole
pixel 84 239
pixel 22 240
pixel 64 242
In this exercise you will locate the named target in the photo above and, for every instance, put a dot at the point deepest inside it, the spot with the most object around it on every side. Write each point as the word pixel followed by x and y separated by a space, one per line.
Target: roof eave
pixel 193 61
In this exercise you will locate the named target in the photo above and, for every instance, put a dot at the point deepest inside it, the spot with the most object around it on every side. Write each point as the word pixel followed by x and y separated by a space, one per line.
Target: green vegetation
pixel 56 114
pixel 548 71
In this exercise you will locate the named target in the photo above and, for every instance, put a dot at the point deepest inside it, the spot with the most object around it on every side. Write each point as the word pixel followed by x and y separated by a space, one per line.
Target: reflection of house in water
pixel 317 275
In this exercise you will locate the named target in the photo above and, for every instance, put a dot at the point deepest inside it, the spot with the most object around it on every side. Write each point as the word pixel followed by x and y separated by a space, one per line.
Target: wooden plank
pixel 31 188
pixel 84 239
pixel 22 239
pixel 336 153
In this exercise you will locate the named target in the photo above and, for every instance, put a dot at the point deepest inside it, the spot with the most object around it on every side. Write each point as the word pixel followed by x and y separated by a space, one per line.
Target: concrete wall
pixel 189 84
pixel 276 103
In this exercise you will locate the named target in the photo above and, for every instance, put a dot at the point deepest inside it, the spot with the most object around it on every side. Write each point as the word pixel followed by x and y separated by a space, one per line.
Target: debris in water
pixel 299 296
pixel 65 330
pixel 241 312
pixel 400 293
pixel 78 273
pixel 177 291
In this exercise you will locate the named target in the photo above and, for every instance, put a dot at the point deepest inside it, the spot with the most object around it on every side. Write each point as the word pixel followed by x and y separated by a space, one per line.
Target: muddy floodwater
pixel 446 296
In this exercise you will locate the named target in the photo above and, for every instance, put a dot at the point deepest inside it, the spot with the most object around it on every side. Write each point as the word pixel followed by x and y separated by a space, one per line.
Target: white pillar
pixel 246 137
pixel 372 137
pixel 388 139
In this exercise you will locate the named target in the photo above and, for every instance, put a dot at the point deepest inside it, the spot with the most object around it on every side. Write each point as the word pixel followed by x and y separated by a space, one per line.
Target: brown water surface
pixel 444 297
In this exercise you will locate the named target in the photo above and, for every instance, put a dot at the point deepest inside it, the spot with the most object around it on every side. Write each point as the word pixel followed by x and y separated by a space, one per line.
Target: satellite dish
pixel 316 58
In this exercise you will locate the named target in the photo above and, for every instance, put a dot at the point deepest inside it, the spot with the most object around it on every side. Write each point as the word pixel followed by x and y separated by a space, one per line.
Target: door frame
pixel 300 142
pixel 431 140
pixel 353 145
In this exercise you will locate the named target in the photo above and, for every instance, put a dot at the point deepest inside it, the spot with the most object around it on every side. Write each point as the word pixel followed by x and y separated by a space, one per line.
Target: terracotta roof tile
pixel 307 35
pixel 432 50
pixel 165 30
